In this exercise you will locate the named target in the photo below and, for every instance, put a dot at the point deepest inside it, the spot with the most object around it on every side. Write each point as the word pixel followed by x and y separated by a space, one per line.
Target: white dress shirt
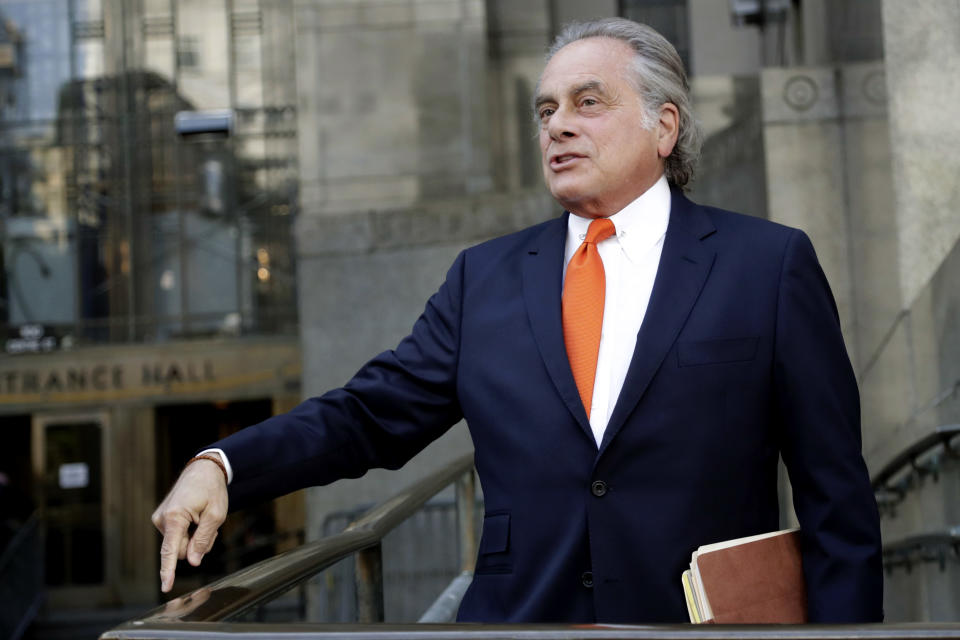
pixel 630 260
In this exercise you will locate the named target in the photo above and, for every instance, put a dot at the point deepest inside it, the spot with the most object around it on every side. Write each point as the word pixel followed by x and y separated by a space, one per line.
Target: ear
pixel 668 129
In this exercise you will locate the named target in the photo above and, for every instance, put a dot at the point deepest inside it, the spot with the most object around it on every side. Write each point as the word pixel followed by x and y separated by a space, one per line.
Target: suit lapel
pixel 542 288
pixel 684 266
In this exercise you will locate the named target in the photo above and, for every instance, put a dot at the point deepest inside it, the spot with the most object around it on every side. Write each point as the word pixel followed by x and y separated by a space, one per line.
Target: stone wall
pixel 912 387
pixel 391 102
pixel 922 45
pixel 827 161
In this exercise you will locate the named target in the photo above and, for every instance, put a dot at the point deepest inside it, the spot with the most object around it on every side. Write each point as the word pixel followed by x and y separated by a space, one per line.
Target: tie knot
pixel 599 230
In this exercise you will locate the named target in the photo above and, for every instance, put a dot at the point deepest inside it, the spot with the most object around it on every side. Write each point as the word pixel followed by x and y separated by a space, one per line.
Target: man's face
pixel 597 157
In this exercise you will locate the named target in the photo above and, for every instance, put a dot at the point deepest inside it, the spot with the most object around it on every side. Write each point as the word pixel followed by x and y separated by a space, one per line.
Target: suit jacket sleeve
pixel 391 409
pixel 819 411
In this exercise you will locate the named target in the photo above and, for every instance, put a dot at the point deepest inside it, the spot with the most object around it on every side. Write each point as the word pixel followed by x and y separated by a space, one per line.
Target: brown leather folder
pixel 754 581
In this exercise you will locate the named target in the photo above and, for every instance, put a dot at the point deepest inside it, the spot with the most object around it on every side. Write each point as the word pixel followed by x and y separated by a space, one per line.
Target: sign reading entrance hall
pixel 105 377
pixel 125 373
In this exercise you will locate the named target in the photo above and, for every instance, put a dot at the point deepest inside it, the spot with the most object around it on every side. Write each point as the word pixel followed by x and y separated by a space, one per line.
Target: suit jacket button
pixel 598 488
pixel 586 579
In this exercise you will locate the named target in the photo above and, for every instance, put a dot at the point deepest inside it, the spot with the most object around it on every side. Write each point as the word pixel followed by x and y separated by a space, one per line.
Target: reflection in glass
pixel 203 53
pixel 113 227
pixel 38 257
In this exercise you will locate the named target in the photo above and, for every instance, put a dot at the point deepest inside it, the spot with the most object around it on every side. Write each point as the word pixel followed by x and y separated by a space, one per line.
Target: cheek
pixel 544 139
pixel 626 156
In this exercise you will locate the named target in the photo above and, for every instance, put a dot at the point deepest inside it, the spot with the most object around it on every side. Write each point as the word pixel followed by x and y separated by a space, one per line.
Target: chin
pixel 581 206
pixel 567 204
pixel 568 197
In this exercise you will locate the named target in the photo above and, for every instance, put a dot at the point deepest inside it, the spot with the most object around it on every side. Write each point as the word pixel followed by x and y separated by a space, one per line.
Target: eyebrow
pixel 590 85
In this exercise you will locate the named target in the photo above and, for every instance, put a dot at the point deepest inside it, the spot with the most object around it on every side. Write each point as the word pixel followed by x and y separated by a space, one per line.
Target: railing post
pixel 369 572
pixel 466 520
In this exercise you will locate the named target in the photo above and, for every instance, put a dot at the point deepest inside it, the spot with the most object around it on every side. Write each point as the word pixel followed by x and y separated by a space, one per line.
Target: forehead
pixel 592 59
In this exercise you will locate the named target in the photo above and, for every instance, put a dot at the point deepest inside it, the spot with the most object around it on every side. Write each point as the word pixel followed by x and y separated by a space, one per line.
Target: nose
pixel 560 124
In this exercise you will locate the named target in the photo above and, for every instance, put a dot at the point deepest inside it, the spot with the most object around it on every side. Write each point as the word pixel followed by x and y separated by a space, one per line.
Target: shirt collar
pixel 640 225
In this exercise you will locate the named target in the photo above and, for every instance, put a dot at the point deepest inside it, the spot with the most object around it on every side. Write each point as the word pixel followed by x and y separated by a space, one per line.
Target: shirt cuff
pixel 224 459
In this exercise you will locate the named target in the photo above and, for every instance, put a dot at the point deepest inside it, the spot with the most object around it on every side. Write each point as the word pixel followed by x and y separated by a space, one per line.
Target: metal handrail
pixel 21 578
pixel 265 580
pixel 925 547
pixel 909 458
pixel 21 537
pixel 202 613
pixel 197 630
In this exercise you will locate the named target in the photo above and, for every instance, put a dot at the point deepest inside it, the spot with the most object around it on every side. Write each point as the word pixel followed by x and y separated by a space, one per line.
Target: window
pixel 188 52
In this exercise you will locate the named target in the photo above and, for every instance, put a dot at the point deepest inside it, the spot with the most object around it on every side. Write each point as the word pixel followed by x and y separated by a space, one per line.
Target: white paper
pixel 75 475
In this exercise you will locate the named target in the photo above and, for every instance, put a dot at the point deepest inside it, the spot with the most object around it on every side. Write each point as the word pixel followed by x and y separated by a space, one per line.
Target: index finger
pixel 174 532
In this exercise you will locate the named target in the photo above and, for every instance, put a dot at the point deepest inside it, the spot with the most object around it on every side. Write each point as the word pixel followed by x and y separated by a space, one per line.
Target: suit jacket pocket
pixel 494 552
pixel 697 352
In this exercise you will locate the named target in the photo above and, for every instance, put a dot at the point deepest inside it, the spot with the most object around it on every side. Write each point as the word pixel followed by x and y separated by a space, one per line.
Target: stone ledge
pixel 801 94
pixel 436 222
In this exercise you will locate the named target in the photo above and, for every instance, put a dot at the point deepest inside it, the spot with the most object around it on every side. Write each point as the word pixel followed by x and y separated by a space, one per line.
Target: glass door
pixel 69 462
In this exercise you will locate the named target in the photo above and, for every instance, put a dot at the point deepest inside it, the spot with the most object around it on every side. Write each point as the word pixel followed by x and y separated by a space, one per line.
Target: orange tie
pixel 583 295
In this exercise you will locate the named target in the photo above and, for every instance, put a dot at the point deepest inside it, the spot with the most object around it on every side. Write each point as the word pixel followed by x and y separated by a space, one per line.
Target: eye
pixel 589 102
pixel 545 112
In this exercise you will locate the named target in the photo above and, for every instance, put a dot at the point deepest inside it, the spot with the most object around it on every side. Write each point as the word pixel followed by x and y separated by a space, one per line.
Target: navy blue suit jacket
pixel 740 358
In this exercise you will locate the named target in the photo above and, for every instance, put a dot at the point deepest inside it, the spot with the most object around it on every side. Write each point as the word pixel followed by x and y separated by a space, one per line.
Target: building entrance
pixel 69 461
pixel 73 502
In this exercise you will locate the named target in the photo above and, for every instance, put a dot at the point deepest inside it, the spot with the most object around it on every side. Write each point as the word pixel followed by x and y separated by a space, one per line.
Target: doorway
pixel 69 463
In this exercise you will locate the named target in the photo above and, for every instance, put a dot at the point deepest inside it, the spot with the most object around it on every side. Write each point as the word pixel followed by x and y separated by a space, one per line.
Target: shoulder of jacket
pixel 515 240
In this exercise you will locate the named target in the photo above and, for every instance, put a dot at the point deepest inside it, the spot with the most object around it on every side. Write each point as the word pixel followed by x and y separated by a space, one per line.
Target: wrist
pixel 222 456
pixel 215 459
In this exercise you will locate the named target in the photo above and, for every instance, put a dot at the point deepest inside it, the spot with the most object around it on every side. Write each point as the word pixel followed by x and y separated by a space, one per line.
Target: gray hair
pixel 658 77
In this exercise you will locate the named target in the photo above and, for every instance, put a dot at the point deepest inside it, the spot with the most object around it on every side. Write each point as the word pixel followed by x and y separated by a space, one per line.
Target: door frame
pixel 79 596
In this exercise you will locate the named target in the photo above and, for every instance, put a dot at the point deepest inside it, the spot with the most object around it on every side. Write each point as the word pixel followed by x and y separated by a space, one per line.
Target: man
pixel 629 372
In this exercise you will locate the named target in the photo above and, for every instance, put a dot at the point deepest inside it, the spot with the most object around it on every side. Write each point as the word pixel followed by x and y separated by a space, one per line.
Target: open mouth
pixel 561 161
